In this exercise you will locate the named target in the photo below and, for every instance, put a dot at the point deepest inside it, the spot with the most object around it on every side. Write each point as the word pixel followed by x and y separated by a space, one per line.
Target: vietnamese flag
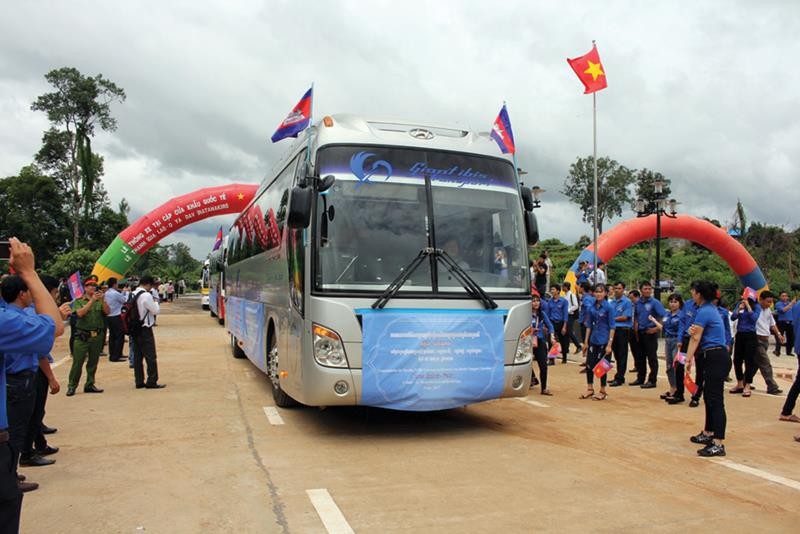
pixel 590 71
pixel 602 367
pixel 691 385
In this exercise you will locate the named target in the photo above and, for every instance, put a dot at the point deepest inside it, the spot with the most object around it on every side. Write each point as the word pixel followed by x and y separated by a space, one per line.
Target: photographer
pixel 90 309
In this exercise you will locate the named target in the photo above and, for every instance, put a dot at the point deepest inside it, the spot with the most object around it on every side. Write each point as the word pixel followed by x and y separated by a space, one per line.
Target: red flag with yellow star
pixel 590 71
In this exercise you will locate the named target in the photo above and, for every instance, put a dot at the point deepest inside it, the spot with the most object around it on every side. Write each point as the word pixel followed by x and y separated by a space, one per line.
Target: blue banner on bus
pixel 246 322
pixel 422 360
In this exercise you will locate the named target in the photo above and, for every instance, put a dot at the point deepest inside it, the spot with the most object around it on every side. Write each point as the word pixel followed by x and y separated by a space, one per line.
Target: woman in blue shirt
pixel 599 339
pixel 708 339
pixel 671 327
pixel 746 346
pixel 542 331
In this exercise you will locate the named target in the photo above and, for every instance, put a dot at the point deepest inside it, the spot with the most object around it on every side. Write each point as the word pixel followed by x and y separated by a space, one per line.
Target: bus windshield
pixel 388 204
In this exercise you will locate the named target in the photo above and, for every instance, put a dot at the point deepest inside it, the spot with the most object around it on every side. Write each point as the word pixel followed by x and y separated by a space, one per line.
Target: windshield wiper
pixel 401 279
pixel 470 285
pixel 466 281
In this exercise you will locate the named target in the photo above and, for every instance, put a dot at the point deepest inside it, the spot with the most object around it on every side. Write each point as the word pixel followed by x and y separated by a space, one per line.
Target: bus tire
pixel 236 350
pixel 281 398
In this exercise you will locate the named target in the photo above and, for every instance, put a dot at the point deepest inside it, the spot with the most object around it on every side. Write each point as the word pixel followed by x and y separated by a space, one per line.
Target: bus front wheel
pixel 281 398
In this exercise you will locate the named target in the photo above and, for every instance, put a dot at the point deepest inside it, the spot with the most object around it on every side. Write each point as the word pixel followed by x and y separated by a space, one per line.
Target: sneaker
pixel 702 439
pixel 712 450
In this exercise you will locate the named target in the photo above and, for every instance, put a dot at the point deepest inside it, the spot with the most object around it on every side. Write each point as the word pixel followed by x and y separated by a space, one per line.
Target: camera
pixel 795 286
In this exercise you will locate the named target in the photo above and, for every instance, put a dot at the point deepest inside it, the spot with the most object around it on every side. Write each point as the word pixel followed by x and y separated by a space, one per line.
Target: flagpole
pixel 594 158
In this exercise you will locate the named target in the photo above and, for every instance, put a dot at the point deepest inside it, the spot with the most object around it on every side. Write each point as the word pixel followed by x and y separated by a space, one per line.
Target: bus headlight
pixel 328 347
pixel 524 351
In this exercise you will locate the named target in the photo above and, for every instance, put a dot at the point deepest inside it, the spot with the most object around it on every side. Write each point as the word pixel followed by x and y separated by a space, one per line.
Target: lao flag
pixel 555 350
pixel 218 242
pixel 502 134
pixel 750 293
pixel 680 359
pixel 297 121
pixel 602 367
pixel 75 286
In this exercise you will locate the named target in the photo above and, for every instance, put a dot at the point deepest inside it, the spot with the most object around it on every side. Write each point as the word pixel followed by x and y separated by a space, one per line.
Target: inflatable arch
pixel 174 214
pixel 633 231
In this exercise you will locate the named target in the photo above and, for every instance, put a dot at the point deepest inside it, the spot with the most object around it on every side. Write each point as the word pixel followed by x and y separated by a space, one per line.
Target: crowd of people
pixel 701 334
pixel 34 309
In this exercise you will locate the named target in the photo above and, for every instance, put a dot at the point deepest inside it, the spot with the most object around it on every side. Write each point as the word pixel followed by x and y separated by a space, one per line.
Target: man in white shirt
pixel 143 336
pixel 116 339
pixel 764 325
pixel 598 276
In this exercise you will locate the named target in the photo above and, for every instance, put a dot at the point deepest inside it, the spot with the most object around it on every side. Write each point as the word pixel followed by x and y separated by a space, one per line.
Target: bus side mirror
pixel 300 207
pixel 531 228
pixel 527 198
pixel 325 183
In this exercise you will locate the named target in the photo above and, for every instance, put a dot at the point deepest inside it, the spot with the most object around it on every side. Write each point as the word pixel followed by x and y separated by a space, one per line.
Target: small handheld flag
pixel 297 121
pixel 555 350
pixel 590 71
pixel 680 359
pixel 690 384
pixel 602 367
pixel 750 293
pixel 501 132
pixel 218 242
pixel 75 286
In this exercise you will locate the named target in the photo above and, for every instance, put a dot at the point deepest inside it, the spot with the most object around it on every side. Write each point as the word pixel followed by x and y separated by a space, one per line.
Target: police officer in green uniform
pixel 91 308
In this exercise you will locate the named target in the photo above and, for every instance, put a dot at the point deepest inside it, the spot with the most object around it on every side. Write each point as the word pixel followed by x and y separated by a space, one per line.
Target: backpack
pixel 131 322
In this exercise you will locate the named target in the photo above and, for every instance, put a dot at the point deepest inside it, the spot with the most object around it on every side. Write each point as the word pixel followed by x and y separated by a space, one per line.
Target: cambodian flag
pixel 297 121
pixel 555 351
pixel 602 367
pixel 750 293
pixel 680 359
pixel 501 132
pixel 218 242
pixel 75 285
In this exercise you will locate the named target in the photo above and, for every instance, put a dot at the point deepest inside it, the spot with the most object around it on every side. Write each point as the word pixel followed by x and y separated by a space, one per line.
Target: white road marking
pixel 273 415
pixel 788 482
pixel 534 403
pixel 328 512
pixel 60 362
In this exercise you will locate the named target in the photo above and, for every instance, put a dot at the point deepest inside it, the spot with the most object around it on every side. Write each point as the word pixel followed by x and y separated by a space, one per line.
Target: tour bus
pixel 216 282
pixel 204 282
pixel 385 263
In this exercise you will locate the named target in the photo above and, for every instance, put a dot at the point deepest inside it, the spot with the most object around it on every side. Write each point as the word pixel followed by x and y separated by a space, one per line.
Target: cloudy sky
pixel 708 93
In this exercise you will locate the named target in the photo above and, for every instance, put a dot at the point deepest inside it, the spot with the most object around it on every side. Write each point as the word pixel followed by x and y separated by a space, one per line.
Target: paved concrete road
pixel 203 455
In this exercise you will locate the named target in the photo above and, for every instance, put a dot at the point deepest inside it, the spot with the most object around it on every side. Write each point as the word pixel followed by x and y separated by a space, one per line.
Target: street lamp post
pixel 658 207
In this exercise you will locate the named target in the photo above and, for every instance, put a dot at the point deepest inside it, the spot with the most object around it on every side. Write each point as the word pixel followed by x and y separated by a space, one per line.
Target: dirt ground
pixel 203 455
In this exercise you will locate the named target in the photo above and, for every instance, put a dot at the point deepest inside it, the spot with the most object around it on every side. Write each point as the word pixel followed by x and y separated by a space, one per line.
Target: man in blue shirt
pixel 794 392
pixel 21 333
pixel 647 309
pixel 623 322
pixel 784 321
pixel 558 312
pixel 116 338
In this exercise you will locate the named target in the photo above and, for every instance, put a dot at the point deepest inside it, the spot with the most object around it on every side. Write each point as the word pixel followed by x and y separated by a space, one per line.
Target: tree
pixel 78 105
pixel 644 180
pixel 613 182
pixel 34 212
pixel 65 264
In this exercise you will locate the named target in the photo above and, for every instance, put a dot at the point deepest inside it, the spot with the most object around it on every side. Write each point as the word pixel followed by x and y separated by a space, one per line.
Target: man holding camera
pixel 90 310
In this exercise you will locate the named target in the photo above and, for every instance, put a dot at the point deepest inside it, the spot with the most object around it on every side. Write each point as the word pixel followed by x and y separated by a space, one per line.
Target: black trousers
pixel 540 355
pixel 563 339
pixel 593 357
pixel 718 365
pixel 21 400
pixel 744 352
pixel 116 339
pixel 10 495
pixel 791 398
pixel 571 330
pixel 633 341
pixel 648 355
pixel 145 351
pixel 786 328
pixel 34 434
pixel 620 348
